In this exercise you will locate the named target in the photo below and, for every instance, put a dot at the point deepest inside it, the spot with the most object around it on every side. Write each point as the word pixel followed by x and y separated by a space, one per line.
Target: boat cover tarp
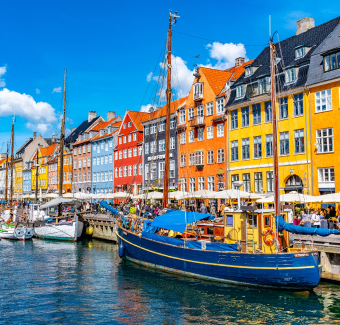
pixel 147 227
pixel 178 220
pixel 190 244
pixel 109 207
pixel 60 200
pixel 283 225
pixel 3 201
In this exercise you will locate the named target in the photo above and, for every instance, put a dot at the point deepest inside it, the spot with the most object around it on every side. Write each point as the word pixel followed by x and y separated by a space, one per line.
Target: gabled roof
pixel 24 146
pixel 47 151
pixel 174 105
pixel 216 78
pixel 137 119
pixel 286 52
pixel 238 71
pixel 80 129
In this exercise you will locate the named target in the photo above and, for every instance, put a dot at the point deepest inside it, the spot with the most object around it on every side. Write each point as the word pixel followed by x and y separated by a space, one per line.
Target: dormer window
pixel 129 124
pixel 198 90
pixel 300 52
pixel 332 61
pixel 239 91
pixel 124 126
pixel 290 75
pixel 248 71
pixel 101 132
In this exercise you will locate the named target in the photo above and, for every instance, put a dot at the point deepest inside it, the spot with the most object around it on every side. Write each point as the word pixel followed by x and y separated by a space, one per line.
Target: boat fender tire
pixel 267 241
pixel 121 250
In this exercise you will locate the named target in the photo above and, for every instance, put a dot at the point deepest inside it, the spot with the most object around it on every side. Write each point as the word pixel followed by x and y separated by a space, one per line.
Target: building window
pixel 183 140
pixel 135 152
pixel 162 126
pixel 220 106
pixel 200 136
pixel 201 186
pixel 220 155
pixel 120 171
pixel 210 108
pixel 220 130
pixel 140 150
pixel 283 108
pixel 248 71
pixel 245 149
pixel 200 110
pixel 299 140
pixel 135 136
pixel 258 182
pixel 125 171
pixel 75 178
pixel 298 104
pixel 239 91
pixel 270 181
pixel 116 155
pixel 172 143
pixel 146 172
pixel 234 119
pixel 172 169
pixel 120 140
pixel 268 111
pixel 172 123
pixel 234 178
pixel 211 183
pixel 284 143
pixel 183 160
pixel 198 90
pixel 125 153
pixel 153 147
pixel 269 145
pixel 153 128
pixel 161 169
pixel 211 159
pixel 326 175
pixel 140 169
pixel 191 136
pixel 182 116
pixel 153 171
pixel 290 75
pixel 120 155
pixel 124 126
pixel 183 184
pixel 146 130
pixel 192 184
pixel 192 160
pixel 324 140
pixel 146 148
pixel 129 138
pixel 234 150
pixel 332 61
pixel 246 182
pixel 257 147
pixel 199 158
pixel 245 116
pixel 191 113
pixel 300 52
pixel 257 114
pixel 161 145
pixel 116 172
pixel 323 100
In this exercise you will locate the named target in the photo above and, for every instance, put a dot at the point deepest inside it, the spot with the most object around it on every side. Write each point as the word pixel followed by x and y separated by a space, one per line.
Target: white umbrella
pixel 82 196
pixel 51 195
pixel 232 194
pixel 330 198
pixel 149 195
pixel 108 196
pixel 68 195
pixel 292 197
pixel 121 195
pixel 202 194
pixel 177 194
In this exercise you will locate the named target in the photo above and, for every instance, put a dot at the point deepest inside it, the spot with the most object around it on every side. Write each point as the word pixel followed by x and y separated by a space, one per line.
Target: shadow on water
pixel 66 283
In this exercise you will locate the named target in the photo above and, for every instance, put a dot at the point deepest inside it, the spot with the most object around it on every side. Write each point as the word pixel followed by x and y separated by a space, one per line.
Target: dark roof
pixel 21 150
pixel 286 51
pixel 80 129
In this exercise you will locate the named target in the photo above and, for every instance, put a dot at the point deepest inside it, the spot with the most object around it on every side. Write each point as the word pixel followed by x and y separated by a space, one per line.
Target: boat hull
pixel 22 233
pixel 70 231
pixel 287 270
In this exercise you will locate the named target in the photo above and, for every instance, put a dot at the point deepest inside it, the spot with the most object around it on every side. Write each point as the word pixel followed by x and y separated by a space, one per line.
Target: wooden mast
pixel 172 20
pixel 12 173
pixel 62 136
pixel 6 179
pixel 275 153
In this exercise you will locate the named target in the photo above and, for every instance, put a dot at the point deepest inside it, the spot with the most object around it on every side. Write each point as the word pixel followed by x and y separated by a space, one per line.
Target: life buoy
pixel 269 241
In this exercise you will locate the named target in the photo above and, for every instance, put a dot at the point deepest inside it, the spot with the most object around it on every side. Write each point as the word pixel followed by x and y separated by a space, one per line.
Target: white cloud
pixel 293 17
pixel 2 72
pixel 225 54
pixel 56 90
pixel 146 108
pixel 149 77
pixel 40 127
pixel 37 91
pixel 182 76
pixel 40 115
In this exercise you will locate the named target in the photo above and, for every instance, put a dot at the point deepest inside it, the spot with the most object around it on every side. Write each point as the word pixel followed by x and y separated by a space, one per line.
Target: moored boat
pixel 15 231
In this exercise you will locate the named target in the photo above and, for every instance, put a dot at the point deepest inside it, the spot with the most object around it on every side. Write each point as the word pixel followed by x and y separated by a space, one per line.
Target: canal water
pixel 46 282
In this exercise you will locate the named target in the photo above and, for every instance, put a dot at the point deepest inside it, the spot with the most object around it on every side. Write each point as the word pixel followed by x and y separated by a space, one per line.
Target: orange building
pixel 202 130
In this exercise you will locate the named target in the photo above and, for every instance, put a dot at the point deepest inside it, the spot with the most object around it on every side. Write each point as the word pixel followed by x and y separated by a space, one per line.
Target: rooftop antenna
pixel 270 26
pixel 196 73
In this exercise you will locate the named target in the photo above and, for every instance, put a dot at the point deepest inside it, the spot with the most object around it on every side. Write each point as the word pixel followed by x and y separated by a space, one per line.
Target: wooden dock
pixel 104 226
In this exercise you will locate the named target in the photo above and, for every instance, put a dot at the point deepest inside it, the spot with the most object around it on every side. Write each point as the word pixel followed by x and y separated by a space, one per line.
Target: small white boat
pixel 65 230
pixel 16 232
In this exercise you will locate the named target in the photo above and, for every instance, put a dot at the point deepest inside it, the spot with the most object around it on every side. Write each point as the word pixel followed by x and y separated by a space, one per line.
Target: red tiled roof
pixel 173 108
pixel 216 78
pixel 237 72
pixel 138 118
pixel 47 151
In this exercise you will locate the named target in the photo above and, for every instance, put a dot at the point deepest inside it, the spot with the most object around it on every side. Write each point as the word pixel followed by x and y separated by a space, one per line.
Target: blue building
pixel 102 157
pixel 27 178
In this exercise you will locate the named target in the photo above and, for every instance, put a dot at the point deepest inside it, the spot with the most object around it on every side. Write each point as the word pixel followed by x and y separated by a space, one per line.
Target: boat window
pixel 267 221
pixel 210 231
pixel 252 220
pixel 230 220
pixel 35 208
pixel 201 231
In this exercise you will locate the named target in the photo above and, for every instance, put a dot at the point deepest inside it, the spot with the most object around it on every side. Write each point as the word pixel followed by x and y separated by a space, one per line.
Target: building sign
pixel 158 157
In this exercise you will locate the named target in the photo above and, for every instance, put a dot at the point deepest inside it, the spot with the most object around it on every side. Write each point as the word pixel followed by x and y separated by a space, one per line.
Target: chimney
pixel 73 129
pixel 110 115
pixel 304 24
pixel 92 115
pixel 53 138
pixel 238 62
pixel 34 135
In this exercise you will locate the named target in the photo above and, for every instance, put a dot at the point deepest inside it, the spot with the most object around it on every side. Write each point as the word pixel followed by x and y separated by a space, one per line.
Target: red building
pixel 128 154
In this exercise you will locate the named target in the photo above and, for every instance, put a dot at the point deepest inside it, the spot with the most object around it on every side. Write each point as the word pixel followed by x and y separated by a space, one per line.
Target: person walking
pixel 203 209
pixel 315 220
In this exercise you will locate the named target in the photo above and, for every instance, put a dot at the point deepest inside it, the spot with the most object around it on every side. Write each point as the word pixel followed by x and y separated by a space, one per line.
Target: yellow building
pixel 18 177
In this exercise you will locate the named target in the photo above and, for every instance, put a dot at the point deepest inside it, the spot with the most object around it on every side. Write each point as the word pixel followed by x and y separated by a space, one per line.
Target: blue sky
pixel 109 49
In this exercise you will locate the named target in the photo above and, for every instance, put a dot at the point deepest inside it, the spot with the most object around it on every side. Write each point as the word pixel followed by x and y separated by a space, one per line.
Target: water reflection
pixel 56 282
